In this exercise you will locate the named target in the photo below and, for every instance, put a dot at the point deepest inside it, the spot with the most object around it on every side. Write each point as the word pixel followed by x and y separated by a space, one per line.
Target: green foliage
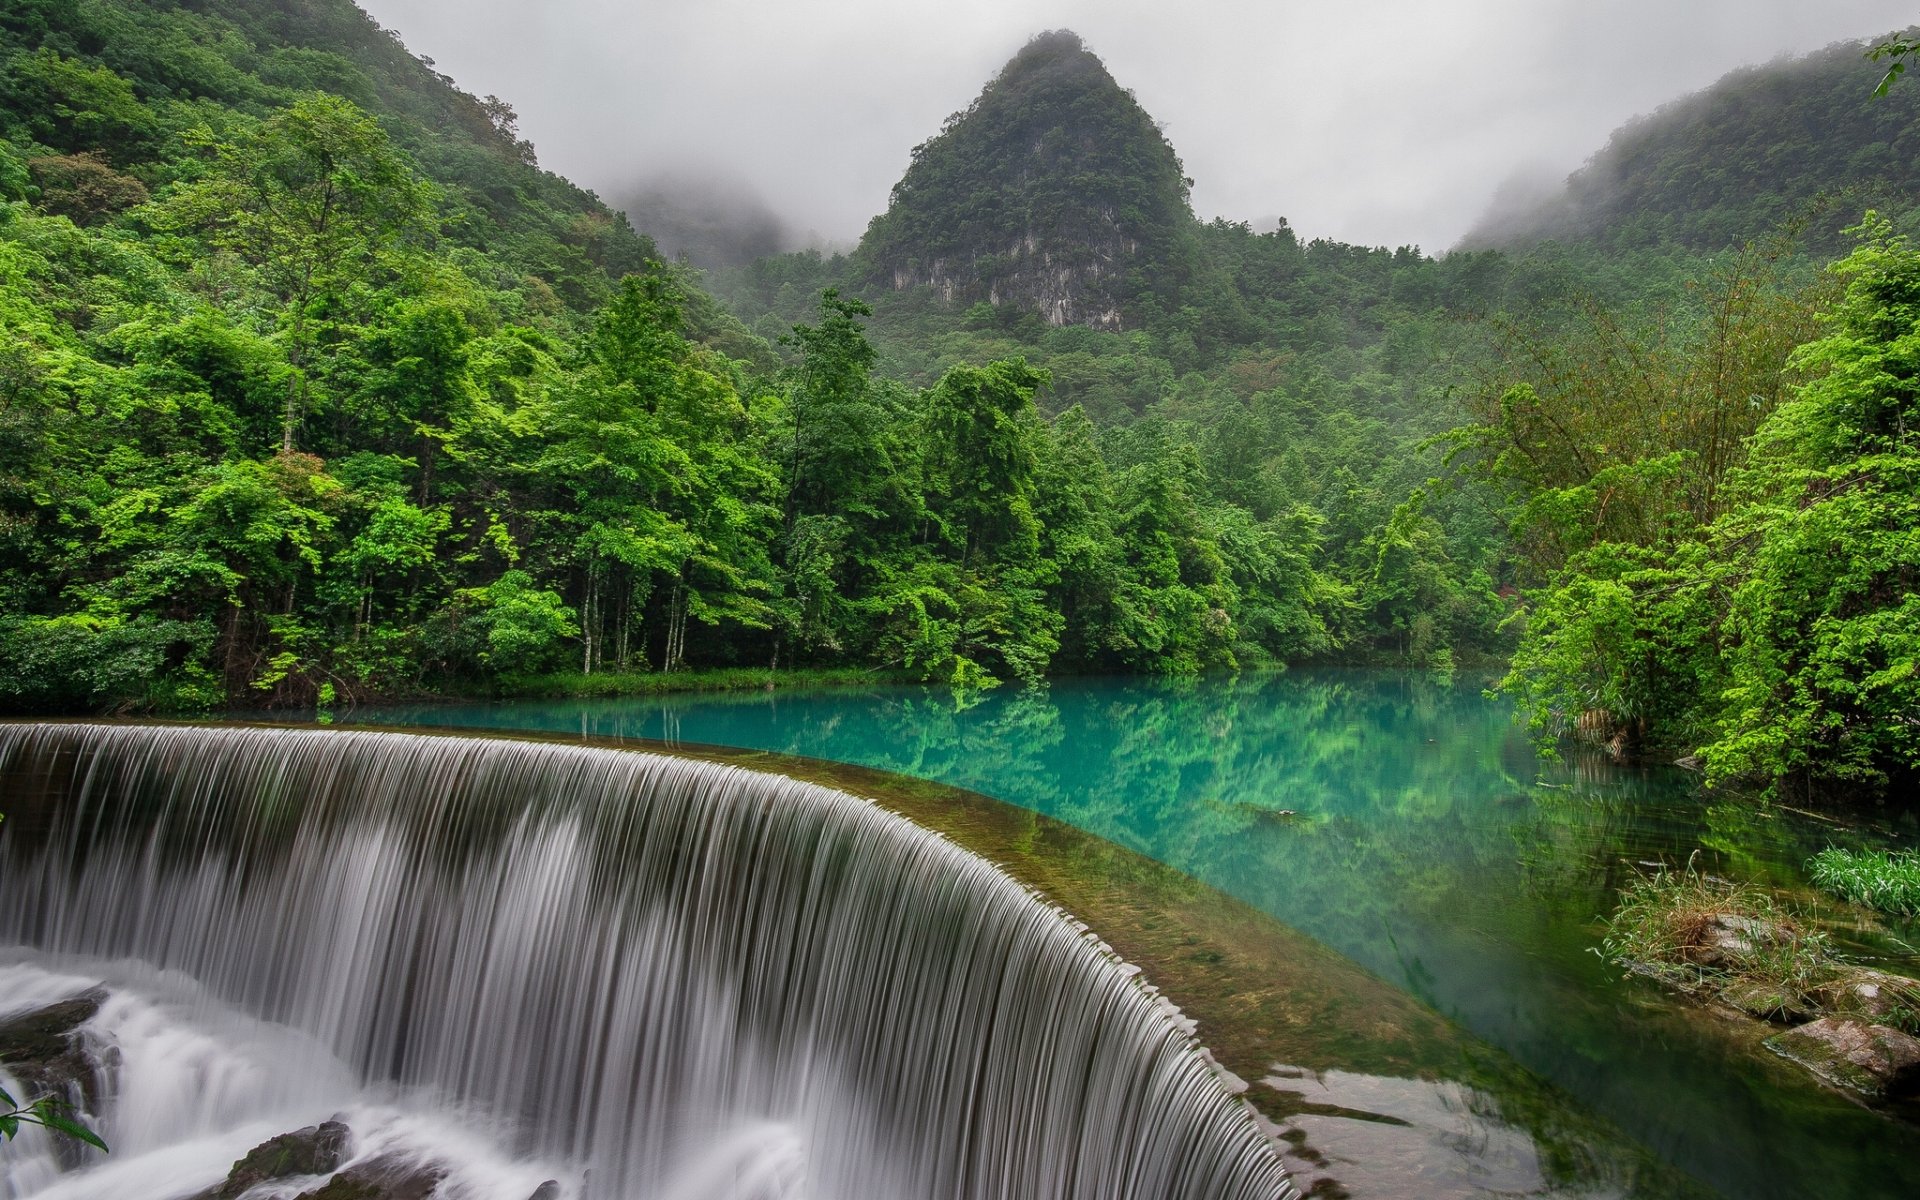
pixel 1795 141
pixel 1879 879
pixel 1770 616
pixel 46 1112
pixel 520 627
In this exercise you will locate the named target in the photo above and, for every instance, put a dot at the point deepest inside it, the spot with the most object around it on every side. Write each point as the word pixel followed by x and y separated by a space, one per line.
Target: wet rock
pixel 315 1150
pixel 550 1190
pixel 1768 1001
pixel 1728 939
pixel 388 1177
pixel 43 1049
pixel 1868 994
pixel 1874 1061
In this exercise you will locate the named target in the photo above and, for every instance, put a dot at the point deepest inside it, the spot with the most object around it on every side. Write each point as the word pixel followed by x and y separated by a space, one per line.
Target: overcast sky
pixel 1374 121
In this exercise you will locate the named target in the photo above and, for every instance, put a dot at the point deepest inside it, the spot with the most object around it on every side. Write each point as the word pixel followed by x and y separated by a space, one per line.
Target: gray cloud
pixel 1375 121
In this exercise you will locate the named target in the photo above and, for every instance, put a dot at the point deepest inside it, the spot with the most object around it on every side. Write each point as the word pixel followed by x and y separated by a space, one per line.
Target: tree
pixel 317 200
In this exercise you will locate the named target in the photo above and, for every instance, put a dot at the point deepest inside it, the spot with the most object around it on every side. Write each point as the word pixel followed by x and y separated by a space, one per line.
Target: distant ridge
pixel 1054 191
pixel 1764 148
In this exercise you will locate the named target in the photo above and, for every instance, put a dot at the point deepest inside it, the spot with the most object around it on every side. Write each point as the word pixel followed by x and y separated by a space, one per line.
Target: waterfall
pixel 643 976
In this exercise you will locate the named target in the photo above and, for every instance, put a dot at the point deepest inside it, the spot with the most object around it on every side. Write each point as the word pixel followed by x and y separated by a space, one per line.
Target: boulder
pixel 1874 1061
pixel 1729 939
pixel 550 1190
pixel 315 1150
pixel 43 1050
pixel 388 1177
pixel 1868 994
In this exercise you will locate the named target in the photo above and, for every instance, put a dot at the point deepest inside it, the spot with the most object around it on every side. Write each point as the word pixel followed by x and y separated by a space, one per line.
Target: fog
pixel 1377 121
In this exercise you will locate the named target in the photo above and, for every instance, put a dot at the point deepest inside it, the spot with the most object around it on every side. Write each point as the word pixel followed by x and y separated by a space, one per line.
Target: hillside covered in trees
pixel 1788 143
pixel 314 387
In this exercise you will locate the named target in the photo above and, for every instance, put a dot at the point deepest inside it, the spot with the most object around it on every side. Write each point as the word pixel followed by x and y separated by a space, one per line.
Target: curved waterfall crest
pixel 670 978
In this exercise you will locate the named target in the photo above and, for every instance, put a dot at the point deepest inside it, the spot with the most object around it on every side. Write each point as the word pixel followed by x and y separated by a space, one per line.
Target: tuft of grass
pixel 1707 935
pixel 1879 879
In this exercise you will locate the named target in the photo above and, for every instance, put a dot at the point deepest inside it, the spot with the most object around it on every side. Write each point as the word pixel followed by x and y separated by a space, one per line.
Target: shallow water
pixel 1409 825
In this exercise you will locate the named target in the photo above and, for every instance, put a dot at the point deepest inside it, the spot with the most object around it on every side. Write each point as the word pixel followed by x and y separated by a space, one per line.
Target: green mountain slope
pixel 1765 148
pixel 122 83
pixel 1054 191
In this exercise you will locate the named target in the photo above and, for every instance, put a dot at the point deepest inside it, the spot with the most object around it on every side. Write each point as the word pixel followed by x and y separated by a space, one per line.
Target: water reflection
pixel 1369 1137
pixel 1405 822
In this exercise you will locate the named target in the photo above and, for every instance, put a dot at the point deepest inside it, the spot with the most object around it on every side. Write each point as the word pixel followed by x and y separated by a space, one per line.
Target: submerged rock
pixel 1874 1061
pixel 44 1051
pixel 388 1177
pixel 315 1150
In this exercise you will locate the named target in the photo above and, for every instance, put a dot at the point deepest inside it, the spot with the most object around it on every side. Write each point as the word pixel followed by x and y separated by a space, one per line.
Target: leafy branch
pixel 1898 51
pixel 47 1112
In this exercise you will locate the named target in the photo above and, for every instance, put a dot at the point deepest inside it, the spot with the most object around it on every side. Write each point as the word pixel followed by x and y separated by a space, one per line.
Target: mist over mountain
pixel 711 220
pixel 1767 148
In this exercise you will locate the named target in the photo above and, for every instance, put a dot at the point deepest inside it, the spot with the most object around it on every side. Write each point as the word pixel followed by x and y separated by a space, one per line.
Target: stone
pixel 1728 939
pixel 550 1190
pixel 315 1150
pixel 388 1177
pixel 1767 1001
pixel 43 1050
pixel 1868 994
pixel 1874 1061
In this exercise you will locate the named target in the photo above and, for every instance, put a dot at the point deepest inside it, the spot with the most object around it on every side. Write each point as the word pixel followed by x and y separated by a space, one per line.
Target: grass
pixel 573 684
pixel 1730 941
pixel 1878 879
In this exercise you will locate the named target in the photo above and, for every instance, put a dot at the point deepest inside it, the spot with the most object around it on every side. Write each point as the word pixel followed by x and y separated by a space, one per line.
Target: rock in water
pixel 1868 994
pixel 388 1177
pixel 1875 1061
pixel 315 1150
pixel 42 1049
pixel 550 1190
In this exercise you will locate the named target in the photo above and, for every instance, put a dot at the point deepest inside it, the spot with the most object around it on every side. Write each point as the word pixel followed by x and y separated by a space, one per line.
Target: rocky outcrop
pixel 1868 994
pixel 1874 1061
pixel 1054 193
pixel 315 1150
pixel 44 1051
pixel 388 1177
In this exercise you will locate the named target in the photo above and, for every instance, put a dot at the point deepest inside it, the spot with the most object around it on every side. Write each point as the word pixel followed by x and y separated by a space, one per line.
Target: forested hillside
pixel 1580 445
pixel 314 388
pixel 1787 143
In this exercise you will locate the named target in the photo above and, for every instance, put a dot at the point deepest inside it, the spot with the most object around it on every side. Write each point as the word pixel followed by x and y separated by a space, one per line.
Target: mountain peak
pixel 1054 190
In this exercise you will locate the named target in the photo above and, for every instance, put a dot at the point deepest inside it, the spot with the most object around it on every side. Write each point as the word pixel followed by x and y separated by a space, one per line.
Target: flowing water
pixel 1408 824
pixel 506 962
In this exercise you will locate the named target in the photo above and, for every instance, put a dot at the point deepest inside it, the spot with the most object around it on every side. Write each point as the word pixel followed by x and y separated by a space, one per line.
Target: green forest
pixel 315 389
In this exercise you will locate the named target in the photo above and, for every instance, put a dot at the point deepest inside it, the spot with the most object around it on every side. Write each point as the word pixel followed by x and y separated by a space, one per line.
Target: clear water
pixel 1427 842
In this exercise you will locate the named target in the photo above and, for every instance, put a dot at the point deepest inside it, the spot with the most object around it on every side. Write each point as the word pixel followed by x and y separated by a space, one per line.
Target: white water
pixel 641 976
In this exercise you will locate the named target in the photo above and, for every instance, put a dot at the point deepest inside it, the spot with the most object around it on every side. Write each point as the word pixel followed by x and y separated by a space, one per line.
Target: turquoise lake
pixel 1404 821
